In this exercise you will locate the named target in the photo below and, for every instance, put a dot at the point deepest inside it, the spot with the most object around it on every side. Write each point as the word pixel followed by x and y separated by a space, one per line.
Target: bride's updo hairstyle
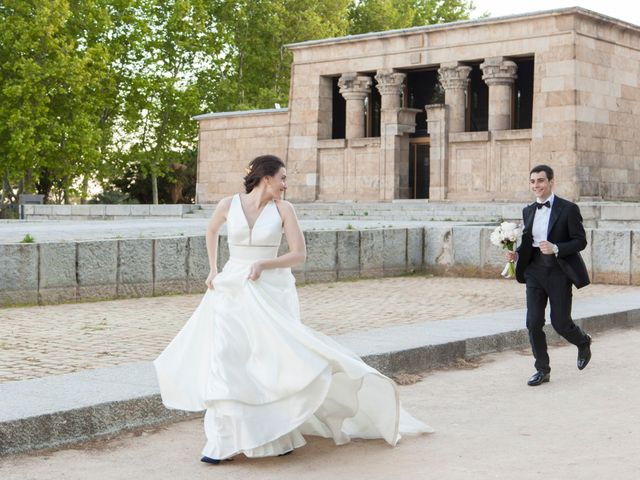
pixel 259 167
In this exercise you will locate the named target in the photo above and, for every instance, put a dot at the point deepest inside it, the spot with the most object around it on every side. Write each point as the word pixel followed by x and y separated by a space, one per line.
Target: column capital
pixel 390 82
pixel 498 71
pixel 454 76
pixel 354 86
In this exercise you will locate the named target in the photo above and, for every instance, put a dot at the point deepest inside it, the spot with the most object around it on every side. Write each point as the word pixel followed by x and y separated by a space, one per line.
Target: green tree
pixel 175 63
pixel 380 15
pixel 257 66
pixel 61 69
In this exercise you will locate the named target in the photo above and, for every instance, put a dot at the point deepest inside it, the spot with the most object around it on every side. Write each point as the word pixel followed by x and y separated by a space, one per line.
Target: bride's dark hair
pixel 262 166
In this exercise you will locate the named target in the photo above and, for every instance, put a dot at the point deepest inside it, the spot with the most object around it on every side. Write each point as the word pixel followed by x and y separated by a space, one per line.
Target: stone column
pixel 390 86
pixel 499 74
pixel 354 89
pixel 437 118
pixel 455 80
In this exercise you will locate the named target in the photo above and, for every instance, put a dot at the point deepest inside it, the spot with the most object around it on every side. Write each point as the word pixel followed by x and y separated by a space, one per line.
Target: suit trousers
pixel 546 281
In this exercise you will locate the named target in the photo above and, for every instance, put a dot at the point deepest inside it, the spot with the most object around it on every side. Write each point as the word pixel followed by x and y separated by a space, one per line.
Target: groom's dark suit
pixel 550 277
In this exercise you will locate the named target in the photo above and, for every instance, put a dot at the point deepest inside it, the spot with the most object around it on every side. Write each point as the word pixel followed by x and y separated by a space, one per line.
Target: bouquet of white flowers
pixel 507 236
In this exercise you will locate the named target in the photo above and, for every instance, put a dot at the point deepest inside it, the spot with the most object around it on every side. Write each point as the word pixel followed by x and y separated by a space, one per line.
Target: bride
pixel 244 356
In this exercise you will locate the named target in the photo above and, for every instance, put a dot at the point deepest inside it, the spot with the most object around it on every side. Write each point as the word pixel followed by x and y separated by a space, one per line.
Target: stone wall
pixel 81 271
pixel 489 165
pixel 607 97
pixel 343 172
pixel 228 142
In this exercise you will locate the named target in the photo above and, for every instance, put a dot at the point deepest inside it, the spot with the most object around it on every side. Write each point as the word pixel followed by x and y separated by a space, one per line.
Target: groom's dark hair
pixel 543 168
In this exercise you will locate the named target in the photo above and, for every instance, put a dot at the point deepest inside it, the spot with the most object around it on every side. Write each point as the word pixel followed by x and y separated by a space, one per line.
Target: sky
pixel 627 10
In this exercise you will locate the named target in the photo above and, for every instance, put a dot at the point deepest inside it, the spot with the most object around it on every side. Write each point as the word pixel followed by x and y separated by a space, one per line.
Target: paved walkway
pixel 489 425
pixel 51 340
pixel 43 231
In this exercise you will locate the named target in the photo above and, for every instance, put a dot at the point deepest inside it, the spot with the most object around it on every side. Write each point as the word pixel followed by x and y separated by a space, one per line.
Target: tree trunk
pixel 154 188
pixel 85 189
pixel 7 189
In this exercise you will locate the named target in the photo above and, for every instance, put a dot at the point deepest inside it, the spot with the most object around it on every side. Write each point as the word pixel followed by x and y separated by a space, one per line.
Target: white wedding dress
pixel 264 378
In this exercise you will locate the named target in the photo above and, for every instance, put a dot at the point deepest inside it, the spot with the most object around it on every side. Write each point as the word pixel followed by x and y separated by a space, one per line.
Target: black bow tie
pixel 545 204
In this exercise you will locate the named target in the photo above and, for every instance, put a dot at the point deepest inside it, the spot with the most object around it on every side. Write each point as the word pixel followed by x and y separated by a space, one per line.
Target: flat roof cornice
pixel 461 24
pixel 239 113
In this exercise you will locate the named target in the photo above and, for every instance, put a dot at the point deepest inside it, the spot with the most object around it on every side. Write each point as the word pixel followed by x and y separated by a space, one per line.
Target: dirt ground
pixel 489 425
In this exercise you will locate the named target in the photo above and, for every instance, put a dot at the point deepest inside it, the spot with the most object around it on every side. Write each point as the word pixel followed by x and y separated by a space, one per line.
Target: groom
pixel 549 263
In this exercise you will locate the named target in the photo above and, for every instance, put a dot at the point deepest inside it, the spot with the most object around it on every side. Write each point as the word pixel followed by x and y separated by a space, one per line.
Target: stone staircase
pixel 609 215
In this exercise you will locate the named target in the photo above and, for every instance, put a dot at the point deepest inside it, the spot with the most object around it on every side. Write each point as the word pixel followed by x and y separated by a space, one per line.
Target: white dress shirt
pixel 541 222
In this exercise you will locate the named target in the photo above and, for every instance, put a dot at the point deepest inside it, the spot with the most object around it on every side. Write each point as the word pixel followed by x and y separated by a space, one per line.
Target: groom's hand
pixel 546 247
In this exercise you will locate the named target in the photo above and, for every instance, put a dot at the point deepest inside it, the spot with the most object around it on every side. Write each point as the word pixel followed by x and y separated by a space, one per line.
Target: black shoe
pixel 539 378
pixel 212 461
pixel 285 453
pixel 584 353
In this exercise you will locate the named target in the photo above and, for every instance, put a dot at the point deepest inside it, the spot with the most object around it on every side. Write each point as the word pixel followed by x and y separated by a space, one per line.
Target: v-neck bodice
pixel 266 231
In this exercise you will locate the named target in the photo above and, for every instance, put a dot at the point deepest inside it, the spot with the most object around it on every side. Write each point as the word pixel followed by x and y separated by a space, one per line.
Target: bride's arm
pixel 213 227
pixel 297 253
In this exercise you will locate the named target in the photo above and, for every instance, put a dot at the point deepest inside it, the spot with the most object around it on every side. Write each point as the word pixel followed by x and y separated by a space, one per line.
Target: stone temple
pixel 456 112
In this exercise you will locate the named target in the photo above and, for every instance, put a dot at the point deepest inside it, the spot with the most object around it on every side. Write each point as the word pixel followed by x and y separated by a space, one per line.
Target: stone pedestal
pixel 354 89
pixel 499 75
pixel 455 81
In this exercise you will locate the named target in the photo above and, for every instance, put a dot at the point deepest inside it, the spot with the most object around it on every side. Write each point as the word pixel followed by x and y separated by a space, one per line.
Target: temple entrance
pixel 419 167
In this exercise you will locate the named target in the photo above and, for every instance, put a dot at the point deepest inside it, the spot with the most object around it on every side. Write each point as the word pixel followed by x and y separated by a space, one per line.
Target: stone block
pixel 97 269
pixel 296 270
pixel 223 251
pixel 438 249
pixel 467 245
pixel 611 256
pixel 415 249
pixel 394 253
pixel 117 210
pixel 83 210
pixel 170 265
pixel 635 257
pixel 19 274
pixel 586 253
pixel 371 253
pixel 60 211
pixel 493 260
pixel 135 268
pixel 97 210
pixel 321 256
pixel 348 254
pixel 165 210
pixel 57 279
pixel 620 212
pixel 197 264
pixel 140 210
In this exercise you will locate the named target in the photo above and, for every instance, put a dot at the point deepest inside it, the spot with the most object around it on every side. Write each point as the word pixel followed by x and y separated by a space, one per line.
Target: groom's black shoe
pixel 539 378
pixel 212 461
pixel 584 353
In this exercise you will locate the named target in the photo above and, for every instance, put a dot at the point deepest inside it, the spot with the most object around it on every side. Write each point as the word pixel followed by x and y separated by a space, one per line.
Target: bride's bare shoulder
pixel 285 207
pixel 222 207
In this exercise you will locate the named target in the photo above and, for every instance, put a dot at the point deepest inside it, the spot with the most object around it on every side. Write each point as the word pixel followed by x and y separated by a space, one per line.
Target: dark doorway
pixel 478 101
pixel 339 111
pixel 372 107
pixel 419 168
pixel 523 94
pixel 423 88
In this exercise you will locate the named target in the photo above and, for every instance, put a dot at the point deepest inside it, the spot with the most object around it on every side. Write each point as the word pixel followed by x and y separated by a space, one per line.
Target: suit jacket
pixel 566 231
